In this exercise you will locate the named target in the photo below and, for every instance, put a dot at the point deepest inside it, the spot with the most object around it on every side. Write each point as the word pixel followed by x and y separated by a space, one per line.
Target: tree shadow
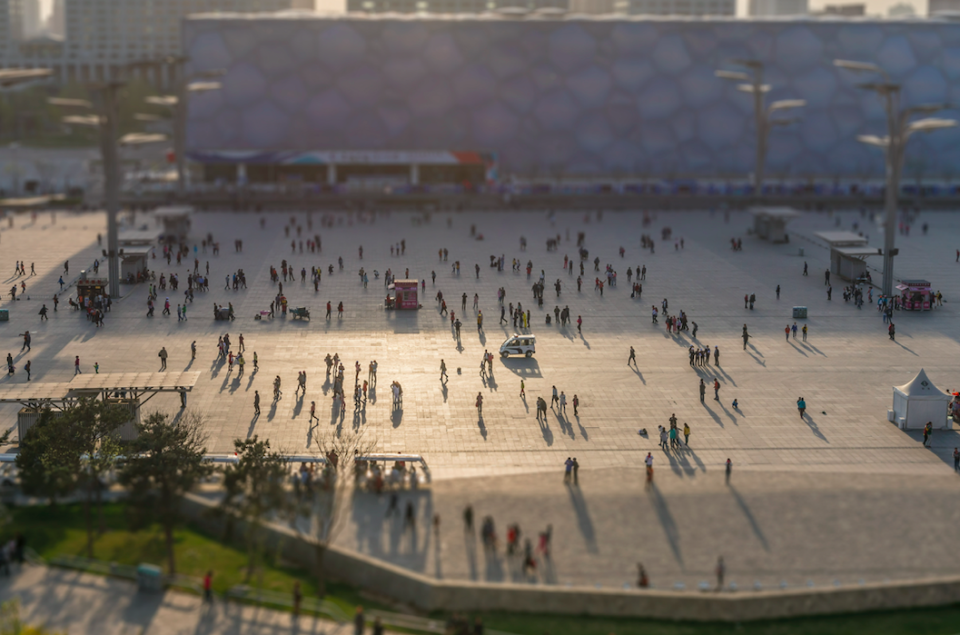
pixel 584 522
pixel 754 525
pixel 666 521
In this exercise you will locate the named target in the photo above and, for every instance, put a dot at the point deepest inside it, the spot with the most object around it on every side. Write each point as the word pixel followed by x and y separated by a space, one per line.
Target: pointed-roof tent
pixel 921 387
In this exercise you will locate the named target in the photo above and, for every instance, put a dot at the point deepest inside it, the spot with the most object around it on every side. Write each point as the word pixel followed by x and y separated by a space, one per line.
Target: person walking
pixel 76 366
pixel 163 358
pixel 786 332
pixel 576 472
pixel 801 406
pixel 956 459
pixel 728 471
pixel 721 570
pixel 703 390
pixel 256 403
pixel 480 404
pixel 892 331
pixel 523 393
pixel 686 434
pixel 479 321
pixel 208 588
pixel 716 390
pixel 648 464
pixel 746 337
pixel 633 357
pixel 297 598
pixel 27 367
pixel 927 432
pixel 576 405
pixel 443 370
pixel 579 325
pixel 804 330
pixel 567 470
pixel 358 621
pixel 563 403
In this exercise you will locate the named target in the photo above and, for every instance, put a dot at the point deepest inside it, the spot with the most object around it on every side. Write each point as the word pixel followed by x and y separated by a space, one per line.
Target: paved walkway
pixel 75 602
pixel 831 495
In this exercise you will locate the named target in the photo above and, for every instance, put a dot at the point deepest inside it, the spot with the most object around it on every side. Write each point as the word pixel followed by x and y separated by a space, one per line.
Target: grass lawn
pixel 62 531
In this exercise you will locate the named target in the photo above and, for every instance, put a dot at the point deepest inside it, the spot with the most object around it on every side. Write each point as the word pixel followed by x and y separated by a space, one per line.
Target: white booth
pixel 919 401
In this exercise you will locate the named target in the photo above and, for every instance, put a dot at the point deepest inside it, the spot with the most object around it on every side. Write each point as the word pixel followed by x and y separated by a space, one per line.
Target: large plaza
pixel 839 495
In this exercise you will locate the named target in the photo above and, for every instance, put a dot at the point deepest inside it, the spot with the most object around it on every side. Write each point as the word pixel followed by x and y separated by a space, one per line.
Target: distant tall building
pixel 848 10
pixel 32 24
pixel 453 6
pixel 760 8
pixel 100 35
pixel 592 7
pixel 11 24
pixel 937 6
pixel 676 7
pixel 56 22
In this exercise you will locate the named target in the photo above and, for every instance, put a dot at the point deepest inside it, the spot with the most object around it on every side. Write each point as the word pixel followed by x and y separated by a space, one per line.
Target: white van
pixel 519 345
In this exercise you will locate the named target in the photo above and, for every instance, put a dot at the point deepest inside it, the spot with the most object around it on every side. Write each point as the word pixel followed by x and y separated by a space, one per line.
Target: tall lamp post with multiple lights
pixel 751 81
pixel 901 125
pixel 178 108
pixel 104 119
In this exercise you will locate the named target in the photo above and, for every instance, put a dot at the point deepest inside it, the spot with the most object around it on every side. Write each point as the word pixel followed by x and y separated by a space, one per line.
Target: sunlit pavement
pixel 796 474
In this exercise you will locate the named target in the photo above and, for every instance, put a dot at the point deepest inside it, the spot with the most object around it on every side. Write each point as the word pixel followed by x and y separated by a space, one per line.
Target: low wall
pixel 429 594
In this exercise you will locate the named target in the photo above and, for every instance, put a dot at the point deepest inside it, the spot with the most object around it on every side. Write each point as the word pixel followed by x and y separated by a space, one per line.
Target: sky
pixel 874 7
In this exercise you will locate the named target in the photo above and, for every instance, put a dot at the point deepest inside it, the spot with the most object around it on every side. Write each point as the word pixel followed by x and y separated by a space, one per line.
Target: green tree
pixel 255 490
pixel 10 623
pixel 74 450
pixel 167 462
pixel 46 462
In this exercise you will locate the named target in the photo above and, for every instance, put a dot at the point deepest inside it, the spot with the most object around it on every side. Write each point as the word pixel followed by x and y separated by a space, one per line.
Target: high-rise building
pixel 677 7
pixel 11 24
pixel 760 8
pixel 942 6
pixel 592 7
pixel 56 22
pixel 32 24
pixel 847 10
pixel 101 35
pixel 455 6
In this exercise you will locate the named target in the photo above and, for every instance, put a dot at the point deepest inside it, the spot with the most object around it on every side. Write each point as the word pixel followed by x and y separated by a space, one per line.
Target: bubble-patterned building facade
pixel 570 96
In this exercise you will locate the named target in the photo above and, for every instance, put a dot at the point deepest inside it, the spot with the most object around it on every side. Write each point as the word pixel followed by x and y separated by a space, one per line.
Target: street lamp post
pixel 105 121
pixel 751 81
pixel 10 77
pixel 177 104
pixel 899 130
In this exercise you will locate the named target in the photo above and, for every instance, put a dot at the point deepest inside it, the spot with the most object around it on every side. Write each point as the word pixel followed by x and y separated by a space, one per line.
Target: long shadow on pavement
pixel 754 525
pixel 667 521
pixel 584 522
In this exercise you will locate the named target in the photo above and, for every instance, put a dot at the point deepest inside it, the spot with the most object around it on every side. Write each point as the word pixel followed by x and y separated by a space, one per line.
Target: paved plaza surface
pixel 832 495
pixel 73 602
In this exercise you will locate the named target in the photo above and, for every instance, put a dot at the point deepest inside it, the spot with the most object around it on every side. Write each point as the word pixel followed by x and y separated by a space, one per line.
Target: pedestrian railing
pixel 91 565
pixel 265 597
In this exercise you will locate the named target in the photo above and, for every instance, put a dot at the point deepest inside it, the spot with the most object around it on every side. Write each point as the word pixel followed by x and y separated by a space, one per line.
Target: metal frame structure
pixel 65 394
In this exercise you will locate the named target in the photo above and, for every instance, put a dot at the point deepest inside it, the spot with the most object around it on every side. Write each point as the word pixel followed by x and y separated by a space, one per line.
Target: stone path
pixel 75 602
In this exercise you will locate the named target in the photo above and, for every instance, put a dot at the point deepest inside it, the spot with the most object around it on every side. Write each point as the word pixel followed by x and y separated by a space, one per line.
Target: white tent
pixel 919 401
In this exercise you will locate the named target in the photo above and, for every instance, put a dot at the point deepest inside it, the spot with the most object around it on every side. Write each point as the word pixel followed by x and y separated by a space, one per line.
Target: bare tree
pixel 322 513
